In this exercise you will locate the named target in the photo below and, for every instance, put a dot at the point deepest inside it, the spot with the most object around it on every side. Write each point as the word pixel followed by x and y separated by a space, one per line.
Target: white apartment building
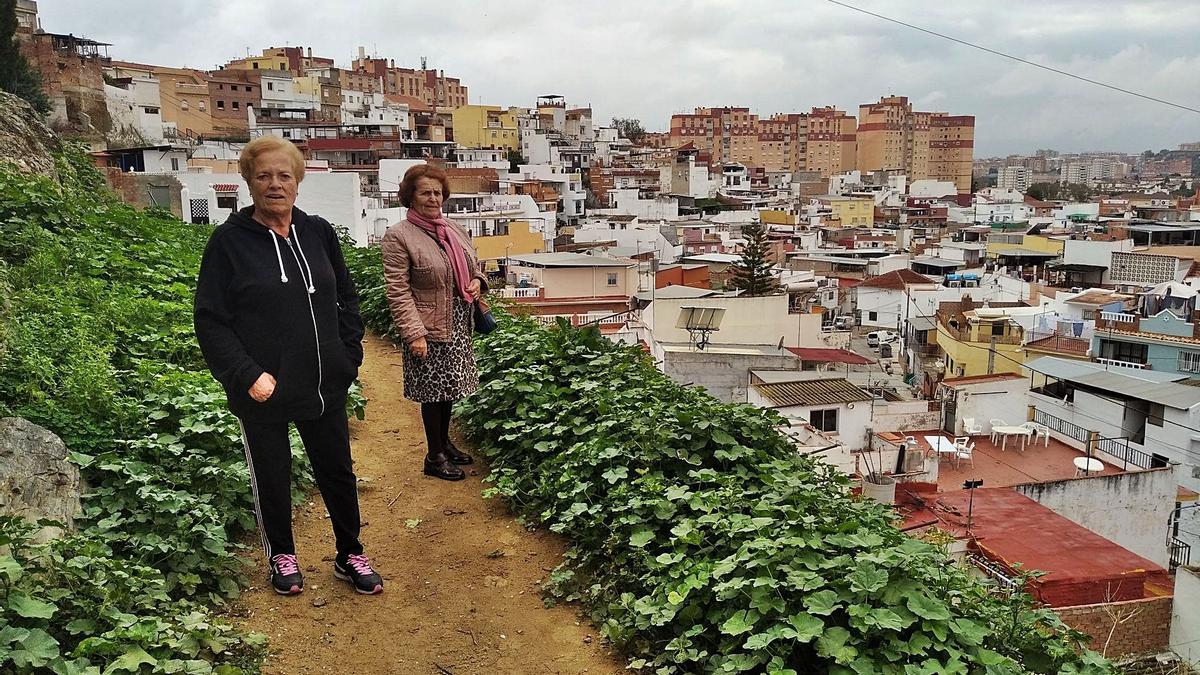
pixel 1013 178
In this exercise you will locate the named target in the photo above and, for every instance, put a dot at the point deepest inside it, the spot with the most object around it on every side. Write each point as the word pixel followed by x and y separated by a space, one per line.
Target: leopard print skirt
pixel 448 372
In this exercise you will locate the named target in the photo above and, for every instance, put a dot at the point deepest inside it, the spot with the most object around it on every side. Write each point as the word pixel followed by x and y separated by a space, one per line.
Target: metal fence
pixel 1068 429
pixel 1181 553
pixel 1119 448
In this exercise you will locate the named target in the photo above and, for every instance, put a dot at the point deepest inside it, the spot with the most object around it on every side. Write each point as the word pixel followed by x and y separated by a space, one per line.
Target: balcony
pixel 1124 364
pixel 1117 321
pixel 519 293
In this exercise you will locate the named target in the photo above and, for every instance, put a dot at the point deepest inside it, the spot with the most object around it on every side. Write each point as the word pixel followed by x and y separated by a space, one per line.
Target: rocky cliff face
pixel 36 479
pixel 24 140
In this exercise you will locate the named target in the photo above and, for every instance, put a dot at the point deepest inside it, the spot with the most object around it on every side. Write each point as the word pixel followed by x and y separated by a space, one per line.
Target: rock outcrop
pixel 24 139
pixel 36 479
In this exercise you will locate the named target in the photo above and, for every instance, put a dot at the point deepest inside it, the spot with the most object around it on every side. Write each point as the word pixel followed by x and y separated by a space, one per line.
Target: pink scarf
pixel 440 229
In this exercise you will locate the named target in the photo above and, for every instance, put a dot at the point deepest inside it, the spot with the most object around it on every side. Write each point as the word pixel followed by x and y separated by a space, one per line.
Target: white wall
pixel 1004 399
pixel 1132 509
pixel 1185 615
pixel 853 418
pixel 627 203
pixel 748 321
pixel 887 303
pixel 932 188
pixel 129 110
pixel 159 161
pixel 391 171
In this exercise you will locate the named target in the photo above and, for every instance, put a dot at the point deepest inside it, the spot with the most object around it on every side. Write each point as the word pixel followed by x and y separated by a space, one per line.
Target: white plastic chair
pixel 971 427
pixel 1037 430
pixel 994 422
pixel 967 452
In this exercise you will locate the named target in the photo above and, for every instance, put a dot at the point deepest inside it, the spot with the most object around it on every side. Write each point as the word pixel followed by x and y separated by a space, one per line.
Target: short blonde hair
pixel 263 144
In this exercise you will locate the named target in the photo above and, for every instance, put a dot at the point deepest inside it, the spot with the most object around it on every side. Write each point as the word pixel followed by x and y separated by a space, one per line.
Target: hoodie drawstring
pixel 311 288
pixel 278 256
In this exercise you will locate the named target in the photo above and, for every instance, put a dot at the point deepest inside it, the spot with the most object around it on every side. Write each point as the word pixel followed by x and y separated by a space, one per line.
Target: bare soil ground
pixel 461 576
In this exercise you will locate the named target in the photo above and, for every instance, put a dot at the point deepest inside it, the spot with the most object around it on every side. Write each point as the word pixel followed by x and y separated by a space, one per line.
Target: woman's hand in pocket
pixel 263 388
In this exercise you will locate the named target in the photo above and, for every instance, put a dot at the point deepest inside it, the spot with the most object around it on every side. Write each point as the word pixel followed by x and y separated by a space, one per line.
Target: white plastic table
pixel 1006 431
pixel 942 445
pixel 1086 465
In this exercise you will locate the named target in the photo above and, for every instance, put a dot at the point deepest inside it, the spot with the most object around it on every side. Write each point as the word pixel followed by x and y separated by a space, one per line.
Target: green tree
pixel 515 160
pixel 752 274
pixel 16 75
pixel 1043 191
pixel 629 127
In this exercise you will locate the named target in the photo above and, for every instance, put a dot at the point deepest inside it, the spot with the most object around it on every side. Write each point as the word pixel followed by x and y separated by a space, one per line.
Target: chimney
pixel 362 53
pixel 310 52
pixel 392 63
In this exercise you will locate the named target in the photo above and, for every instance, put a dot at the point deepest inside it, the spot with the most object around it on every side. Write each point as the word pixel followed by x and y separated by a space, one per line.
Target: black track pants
pixel 327 443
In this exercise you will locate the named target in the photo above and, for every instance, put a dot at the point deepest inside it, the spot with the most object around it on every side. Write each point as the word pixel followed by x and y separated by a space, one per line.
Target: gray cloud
pixel 650 59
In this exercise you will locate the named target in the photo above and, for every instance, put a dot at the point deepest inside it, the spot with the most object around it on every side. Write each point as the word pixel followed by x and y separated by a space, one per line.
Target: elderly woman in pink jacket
pixel 433 279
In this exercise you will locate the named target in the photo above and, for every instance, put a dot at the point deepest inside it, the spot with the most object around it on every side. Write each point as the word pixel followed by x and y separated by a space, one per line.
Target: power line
pixel 1016 58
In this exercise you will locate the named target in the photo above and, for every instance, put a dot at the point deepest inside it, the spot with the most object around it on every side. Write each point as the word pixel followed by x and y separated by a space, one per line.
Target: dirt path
pixel 461 586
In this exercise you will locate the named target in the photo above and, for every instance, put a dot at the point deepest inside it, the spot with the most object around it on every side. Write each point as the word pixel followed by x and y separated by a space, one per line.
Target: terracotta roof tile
pixel 896 280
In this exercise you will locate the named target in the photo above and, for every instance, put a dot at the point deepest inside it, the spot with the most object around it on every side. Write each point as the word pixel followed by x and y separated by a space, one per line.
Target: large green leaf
pixel 130 662
pixel 927 608
pixel 28 607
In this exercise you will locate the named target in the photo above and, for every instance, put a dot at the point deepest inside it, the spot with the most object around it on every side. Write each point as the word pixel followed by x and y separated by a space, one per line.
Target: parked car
pixel 876 338
pixel 843 322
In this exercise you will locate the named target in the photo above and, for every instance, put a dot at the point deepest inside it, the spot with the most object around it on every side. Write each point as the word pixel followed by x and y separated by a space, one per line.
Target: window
pixel 1128 352
pixel 151 110
pixel 1189 362
pixel 174 163
pixel 227 202
pixel 824 420
pixel 235 105
pixel 220 104
pixel 220 86
pixel 997 328
pixel 612 278
pixel 255 65
pixel 872 316
pixel 270 86
pixel 233 87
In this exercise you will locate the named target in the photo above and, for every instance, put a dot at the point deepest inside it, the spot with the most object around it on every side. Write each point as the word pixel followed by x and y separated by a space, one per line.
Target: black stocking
pixel 436 417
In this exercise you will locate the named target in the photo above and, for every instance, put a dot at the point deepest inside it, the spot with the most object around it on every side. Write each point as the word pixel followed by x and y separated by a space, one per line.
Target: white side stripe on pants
pixel 262 531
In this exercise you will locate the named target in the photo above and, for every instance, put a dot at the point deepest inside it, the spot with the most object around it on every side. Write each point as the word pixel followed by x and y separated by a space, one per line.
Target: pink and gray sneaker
pixel 286 578
pixel 356 569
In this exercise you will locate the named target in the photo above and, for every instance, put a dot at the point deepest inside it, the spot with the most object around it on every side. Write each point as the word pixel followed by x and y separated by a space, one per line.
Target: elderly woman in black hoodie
pixel 277 319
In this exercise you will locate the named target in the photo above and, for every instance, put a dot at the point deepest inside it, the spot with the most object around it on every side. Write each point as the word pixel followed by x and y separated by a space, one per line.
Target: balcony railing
pixel 515 292
pixel 601 319
pixel 1181 554
pixel 1118 317
pixel 1068 429
pixel 1123 364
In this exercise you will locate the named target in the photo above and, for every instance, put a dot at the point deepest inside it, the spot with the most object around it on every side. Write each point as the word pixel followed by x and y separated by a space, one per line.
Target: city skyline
pixel 651 61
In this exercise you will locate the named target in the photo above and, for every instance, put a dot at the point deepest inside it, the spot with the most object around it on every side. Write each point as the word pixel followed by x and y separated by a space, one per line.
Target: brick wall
pixel 141 190
pixel 1147 631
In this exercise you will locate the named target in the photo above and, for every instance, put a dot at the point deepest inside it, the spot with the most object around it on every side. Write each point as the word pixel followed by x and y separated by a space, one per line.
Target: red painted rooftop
pixel 830 355
pixel 1080 566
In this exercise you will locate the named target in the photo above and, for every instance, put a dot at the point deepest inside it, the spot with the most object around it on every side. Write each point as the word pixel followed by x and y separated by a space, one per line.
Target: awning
pixel 830 355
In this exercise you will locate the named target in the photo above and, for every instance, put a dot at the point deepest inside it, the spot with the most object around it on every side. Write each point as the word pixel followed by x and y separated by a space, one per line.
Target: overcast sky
pixel 648 59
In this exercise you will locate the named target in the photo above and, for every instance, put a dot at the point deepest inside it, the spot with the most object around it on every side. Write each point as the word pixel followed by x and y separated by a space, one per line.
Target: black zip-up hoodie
pixel 285 306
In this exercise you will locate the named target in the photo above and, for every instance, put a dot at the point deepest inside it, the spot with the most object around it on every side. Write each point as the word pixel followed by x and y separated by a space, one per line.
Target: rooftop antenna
pixel 424 65
pixel 700 323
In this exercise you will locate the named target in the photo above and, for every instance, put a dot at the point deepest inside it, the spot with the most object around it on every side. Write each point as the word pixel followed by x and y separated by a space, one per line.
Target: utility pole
pixel 992 357
pixel 970 486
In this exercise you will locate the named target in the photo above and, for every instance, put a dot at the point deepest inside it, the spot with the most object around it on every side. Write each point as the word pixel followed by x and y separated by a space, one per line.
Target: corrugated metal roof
pixel 815 392
pixel 1147 385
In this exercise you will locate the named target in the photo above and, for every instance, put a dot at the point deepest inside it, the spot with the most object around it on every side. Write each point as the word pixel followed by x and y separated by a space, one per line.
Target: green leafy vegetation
pixel 96 344
pixel 701 542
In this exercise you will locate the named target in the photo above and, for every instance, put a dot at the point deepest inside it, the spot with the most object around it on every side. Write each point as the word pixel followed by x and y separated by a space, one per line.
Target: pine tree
pixel 16 75
pixel 752 274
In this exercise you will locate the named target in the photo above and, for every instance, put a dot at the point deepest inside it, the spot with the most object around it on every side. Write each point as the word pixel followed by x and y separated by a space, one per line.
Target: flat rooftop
pixel 1080 567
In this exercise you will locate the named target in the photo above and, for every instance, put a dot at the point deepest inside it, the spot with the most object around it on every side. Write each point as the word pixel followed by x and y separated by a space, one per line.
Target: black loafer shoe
pixel 444 470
